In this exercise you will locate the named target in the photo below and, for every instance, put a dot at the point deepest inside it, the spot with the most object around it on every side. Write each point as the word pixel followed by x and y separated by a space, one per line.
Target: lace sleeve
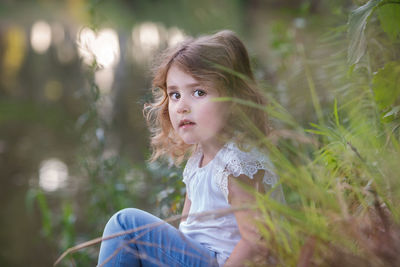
pixel 238 163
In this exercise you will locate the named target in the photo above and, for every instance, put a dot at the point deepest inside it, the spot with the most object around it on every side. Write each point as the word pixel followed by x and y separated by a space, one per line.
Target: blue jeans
pixel 153 243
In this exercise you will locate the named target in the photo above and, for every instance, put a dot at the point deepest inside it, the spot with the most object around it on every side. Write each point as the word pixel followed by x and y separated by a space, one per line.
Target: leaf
pixel 394 111
pixel 46 213
pixel 357 23
pixel 335 112
pixel 389 16
pixel 386 85
pixel 68 220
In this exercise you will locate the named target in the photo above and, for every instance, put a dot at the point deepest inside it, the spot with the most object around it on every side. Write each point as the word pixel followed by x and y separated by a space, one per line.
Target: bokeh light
pixel 14 55
pixel 175 36
pixel 146 39
pixel 53 174
pixel 149 36
pixel 104 78
pixel 40 37
pixel 85 40
pixel 102 47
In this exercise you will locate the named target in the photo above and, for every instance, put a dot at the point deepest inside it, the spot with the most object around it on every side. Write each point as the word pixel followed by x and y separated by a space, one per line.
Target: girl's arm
pixel 186 207
pixel 249 247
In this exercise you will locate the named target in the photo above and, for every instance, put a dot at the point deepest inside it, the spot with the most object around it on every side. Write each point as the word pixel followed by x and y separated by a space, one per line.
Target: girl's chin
pixel 189 142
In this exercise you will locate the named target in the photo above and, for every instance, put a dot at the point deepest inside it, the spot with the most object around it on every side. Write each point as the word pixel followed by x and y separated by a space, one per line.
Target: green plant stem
pixel 311 86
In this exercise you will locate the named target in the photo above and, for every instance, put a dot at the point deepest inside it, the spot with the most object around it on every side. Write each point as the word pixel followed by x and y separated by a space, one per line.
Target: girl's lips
pixel 186 123
pixel 185 126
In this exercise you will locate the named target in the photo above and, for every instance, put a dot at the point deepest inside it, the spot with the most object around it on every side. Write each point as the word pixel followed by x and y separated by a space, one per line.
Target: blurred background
pixel 74 75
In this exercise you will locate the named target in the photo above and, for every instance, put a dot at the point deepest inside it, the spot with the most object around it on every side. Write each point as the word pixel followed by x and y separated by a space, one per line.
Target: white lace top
pixel 207 189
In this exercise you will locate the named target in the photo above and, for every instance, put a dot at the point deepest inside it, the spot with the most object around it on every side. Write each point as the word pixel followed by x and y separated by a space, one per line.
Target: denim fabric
pixel 154 243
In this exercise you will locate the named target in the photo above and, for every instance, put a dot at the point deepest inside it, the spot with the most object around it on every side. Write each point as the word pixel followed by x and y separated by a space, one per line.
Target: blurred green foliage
pixel 386 85
pixel 343 197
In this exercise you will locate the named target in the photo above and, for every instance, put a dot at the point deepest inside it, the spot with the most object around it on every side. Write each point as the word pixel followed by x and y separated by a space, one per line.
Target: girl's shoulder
pixel 246 160
pixel 233 160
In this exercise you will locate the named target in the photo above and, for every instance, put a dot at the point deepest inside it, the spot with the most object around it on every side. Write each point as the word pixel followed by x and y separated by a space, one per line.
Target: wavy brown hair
pixel 220 61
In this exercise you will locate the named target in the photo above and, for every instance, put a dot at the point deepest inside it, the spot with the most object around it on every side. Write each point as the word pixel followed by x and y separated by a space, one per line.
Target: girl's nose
pixel 183 107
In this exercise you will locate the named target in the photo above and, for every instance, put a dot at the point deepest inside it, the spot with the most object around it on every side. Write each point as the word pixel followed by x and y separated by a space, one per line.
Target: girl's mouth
pixel 186 123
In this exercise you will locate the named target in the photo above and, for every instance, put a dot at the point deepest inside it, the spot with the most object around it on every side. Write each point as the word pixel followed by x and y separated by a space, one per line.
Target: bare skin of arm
pixel 186 207
pixel 249 247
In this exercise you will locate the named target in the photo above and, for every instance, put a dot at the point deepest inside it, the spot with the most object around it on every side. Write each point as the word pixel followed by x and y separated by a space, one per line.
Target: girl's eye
pixel 174 95
pixel 199 92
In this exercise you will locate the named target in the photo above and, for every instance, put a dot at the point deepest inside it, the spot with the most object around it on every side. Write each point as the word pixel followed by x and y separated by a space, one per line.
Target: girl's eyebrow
pixel 190 85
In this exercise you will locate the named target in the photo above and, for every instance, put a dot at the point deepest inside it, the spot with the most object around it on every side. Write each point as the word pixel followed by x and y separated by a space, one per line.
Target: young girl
pixel 187 119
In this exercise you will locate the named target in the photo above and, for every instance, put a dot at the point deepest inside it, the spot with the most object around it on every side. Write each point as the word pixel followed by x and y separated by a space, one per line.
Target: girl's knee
pixel 127 218
pixel 126 213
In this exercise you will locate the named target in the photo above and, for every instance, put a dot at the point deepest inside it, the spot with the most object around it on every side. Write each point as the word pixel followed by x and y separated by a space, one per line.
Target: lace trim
pixel 247 163
pixel 235 162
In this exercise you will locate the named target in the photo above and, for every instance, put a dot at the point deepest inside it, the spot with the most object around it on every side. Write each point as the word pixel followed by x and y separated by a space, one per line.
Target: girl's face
pixel 194 116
